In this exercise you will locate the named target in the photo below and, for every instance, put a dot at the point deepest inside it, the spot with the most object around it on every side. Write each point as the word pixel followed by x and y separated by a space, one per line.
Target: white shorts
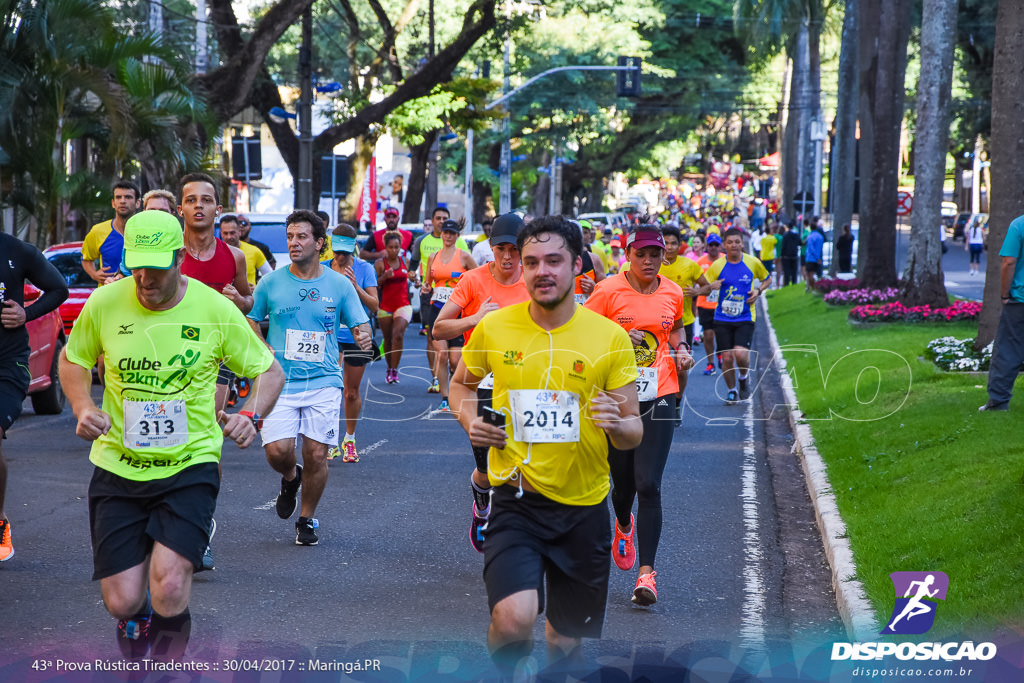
pixel 315 414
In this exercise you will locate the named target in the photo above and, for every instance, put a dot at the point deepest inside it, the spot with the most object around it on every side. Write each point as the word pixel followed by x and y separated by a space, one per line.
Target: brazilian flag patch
pixel 190 333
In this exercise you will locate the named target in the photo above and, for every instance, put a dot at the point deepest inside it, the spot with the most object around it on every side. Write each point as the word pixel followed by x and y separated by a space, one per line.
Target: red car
pixel 46 338
pixel 67 258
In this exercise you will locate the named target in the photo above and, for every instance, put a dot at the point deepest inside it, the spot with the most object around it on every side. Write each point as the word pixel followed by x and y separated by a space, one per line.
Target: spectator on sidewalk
pixel 815 249
pixel 790 255
pixel 1008 350
pixel 844 250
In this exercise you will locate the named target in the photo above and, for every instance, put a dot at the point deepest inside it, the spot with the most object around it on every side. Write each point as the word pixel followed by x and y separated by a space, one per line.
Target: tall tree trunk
pixel 483 200
pixel 885 30
pixel 420 155
pixel 802 88
pixel 788 135
pixel 843 154
pixel 1007 151
pixel 359 166
pixel 924 282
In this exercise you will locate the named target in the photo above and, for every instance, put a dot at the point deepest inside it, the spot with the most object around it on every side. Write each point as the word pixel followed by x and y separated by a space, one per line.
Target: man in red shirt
pixel 374 247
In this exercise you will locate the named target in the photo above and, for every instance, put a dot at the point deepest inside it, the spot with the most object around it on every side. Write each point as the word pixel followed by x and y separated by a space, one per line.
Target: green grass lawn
pixel 923 480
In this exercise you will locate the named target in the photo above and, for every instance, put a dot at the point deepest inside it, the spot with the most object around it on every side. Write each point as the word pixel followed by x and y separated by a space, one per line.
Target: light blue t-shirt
pixel 366 276
pixel 1013 247
pixel 304 318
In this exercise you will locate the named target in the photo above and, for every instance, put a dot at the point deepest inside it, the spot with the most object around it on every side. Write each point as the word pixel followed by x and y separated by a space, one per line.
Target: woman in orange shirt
pixel 650 308
pixel 444 269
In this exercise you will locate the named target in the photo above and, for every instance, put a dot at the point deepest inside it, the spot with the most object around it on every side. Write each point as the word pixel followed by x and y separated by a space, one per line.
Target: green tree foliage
pixel 67 73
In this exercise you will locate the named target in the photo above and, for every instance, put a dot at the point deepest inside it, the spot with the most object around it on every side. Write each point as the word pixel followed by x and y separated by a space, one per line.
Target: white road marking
pixel 752 626
pixel 374 446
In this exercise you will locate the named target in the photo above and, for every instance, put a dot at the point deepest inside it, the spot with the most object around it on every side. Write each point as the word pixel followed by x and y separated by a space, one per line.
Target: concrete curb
pixel 854 607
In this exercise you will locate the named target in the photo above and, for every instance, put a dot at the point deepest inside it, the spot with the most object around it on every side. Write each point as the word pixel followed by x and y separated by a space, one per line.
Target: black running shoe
pixel 305 531
pixel 731 397
pixel 289 490
pixel 207 562
pixel 744 392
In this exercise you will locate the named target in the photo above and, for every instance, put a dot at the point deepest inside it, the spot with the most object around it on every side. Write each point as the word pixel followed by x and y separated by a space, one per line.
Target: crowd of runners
pixel 561 347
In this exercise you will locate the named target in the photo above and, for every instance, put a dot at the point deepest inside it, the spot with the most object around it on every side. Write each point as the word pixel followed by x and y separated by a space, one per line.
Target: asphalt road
pixel 741 572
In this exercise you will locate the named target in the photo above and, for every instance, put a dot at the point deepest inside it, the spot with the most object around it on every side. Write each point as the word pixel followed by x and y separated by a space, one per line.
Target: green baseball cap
pixel 151 240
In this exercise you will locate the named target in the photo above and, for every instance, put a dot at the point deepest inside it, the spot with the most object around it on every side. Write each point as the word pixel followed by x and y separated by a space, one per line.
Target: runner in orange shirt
pixel 650 308
pixel 478 292
pixel 706 305
pixel 444 269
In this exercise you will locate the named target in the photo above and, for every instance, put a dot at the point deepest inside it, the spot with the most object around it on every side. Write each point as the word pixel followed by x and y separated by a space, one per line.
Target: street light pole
pixel 505 165
pixel 304 183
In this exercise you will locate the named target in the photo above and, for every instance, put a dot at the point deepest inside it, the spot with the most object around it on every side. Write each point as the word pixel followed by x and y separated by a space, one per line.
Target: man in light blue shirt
pixel 1008 349
pixel 306 302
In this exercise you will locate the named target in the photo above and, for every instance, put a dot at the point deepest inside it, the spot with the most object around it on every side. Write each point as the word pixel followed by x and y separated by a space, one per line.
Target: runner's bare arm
pixel 265 390
pixel 449 325
pixel 598 269
pixel 683 359
pixel 76 382
pixel 462 393
pixel 239 291
pixel 617 412
pixel 363 336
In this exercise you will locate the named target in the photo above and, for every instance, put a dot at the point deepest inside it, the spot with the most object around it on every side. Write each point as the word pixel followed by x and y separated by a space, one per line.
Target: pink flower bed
pixel 895 311
pixel 850 297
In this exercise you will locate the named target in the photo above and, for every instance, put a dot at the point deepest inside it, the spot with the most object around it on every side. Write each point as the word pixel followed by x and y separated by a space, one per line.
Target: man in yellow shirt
pixel 105 241
pixel 256 265
pixel 564 377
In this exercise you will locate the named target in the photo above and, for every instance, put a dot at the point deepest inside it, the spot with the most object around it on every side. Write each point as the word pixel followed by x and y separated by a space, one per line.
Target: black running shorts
pixel 688 333
pixel 14 380
pixel 532 537
pixel 730 335
pixel 225 376
pixel 706 316
pixel 126 517
pixel 353 355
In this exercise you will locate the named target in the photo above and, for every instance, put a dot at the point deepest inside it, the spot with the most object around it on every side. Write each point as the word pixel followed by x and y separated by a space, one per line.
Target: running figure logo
pixel 914 612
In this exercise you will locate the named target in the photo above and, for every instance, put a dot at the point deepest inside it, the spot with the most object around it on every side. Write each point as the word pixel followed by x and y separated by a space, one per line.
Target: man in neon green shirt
pixel 156 439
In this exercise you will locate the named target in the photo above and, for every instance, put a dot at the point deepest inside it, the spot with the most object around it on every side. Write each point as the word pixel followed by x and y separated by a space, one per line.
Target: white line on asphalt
pixel 752 626
pixel 268 505
pixel 374 446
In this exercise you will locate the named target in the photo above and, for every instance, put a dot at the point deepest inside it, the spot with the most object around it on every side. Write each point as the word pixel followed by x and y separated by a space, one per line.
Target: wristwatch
pixel 257 421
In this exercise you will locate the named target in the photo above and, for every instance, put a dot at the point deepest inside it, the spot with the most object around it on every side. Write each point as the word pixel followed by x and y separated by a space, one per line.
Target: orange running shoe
pixel 623 550
pixel 6 547
pixel 646 592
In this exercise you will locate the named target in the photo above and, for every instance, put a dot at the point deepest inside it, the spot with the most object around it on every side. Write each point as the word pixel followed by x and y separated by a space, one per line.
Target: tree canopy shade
pixel 68 74
pixel 373 63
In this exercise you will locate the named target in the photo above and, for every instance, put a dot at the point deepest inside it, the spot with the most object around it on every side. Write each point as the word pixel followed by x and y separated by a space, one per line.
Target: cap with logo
pixel 714 239
pixel 506 229
pixel 151 240
pixel 391 211
pixel 645 238
pixel 451 226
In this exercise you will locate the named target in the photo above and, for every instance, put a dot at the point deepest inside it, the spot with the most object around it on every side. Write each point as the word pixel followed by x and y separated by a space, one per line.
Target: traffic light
pixel 628 82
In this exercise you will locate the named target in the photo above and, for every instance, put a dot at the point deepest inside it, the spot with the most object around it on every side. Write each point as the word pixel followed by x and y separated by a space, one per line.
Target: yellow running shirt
pixel 161 373
pixel 254 260
pixel 553 392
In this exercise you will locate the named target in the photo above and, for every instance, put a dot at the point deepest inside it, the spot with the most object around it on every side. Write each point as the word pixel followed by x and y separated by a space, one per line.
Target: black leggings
pixel 637 474
pixel 484 398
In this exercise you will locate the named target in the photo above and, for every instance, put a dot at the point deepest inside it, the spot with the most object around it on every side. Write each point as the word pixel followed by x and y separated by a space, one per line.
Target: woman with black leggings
pixel 650 308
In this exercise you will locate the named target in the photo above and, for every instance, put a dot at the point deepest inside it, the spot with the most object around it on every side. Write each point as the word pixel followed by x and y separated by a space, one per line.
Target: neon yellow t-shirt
pixel 429 245
pixel 161 367
pixel 684 272
pixel 768 248
pixel 590 353
pixel 254 260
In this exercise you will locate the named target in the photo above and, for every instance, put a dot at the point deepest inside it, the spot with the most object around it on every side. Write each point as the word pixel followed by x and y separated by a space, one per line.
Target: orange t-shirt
pixel 655 314
pixel 702 301
pixel 476 285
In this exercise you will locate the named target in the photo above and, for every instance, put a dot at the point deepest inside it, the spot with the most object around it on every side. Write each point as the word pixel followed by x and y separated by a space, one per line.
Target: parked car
pixel 46 338
pixel 948 212
pixel 67 258
pixel 269 229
